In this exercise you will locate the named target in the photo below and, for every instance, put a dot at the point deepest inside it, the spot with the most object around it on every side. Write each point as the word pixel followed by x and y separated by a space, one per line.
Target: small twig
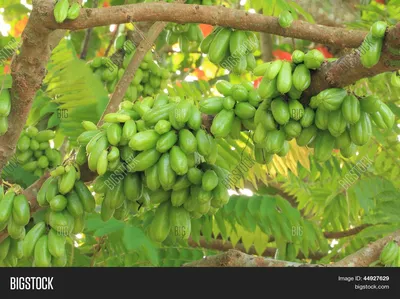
pixel 113 38
pixel 88 35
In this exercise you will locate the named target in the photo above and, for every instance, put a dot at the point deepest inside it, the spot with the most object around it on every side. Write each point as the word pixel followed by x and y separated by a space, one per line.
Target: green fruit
pixel 239 93
pixel 61 10
pixel 74 205
pixel 151 177
pixel 106 212
pixel 274 141
pixel 45 135
pixel 280 111
pixel 297 56
pixel 195 176
pixel 166 141
pixel 73 11
pixel 23 143
pixel 102 163
pixel 14 230
pixel 58 203
pixel 322 119
pixel 211 105
pixel 6 206
pixel 237 39
pixel 349 151
pixel 261 69
pixel 206 43
pixel 159 196
pixel 387 116
pixel 178 197
pixel 162 126
pixel 301 77
pixel 209 180
pixel 285 149
pixel 240 67
pixel 4 248
pixel 114 198
pixel 260 133
pixel 114 134
pixel 308 117
pixel 94 154
pixel 113 154
pixel 307 135
pixel 182 111
pixel 144 140
pixel 144 160
pixel 42 254
pixel 66 182
pixel 224 87
pixel 160 226
pixel 167 176
pixel 178 160
pixel 219 46
pixel 361 131
pixel 85 196
pixel 324 144
pixel 133 187
pixel 251 61
pixel 331 99
pixel 336 123
pixel 313 59
pixel 24 156
pixel 203 143
pixel 179 222
pixel 187 141
pixel 220 196
pixel 285 19
pixel 41 195
pixel 370 51
pixel 370 104
pixel 378 29
pixel 32 237
pixel 52 189
pixel 244 110
pixel 56 244
pixel 273 69
pixel 222 123
pixel 293 129
pixel 195 120
pixel 267 88
pixel 296 109
pixel 343 140
pixel 351 109
pixel 284 79
pixel 21 211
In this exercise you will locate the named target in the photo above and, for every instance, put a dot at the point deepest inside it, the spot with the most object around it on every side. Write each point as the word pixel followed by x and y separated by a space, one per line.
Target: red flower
pixel 324 50
pixel 106 4
pixel 206 29
pixel 282 55
pixel 257 82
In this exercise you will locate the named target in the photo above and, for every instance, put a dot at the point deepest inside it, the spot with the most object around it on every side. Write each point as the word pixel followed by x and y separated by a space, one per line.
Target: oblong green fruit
pixel 59 262
pixel 52 189
pixel 112 154
pixel 187 141
pixel 267 88
pixel 236 127
pixel 308 118
pixel 209 180
pixel 301 77
pixel 251 61
pixel 41 195
pixel 195 176
pixel 292 129
pixel 23 143
pixel 324 144
pixel 336 123
pixel 244 110
pixel 307 135
pixel 144 160
pixel 182 111
pixel 178 197
pixel 178 160
pixel 387 115
pixel 273 69
pixel 21 213
pixel 297 56
pixel 203 143
pixel 182 182
pixel 67 181
pixel 260 69
pixel 260 133
pixel 151 177
pixel 58 203
pixel 240 93
pixel 280 111
pixel 85 196
pixel 115 197
pixel 16 248
pixel 4 248
pixel 296 109
pixel 236 42
pixel 361 131
pixel 195 120
pixel 284 79
pixel 56 243
pixel 241 66
pixel 162 126
pixel 378 29
pixel 14 230
pixel 94 154
pixel 206 43
pixel 79 224
pixel 179 222
pixel 343 141
pixel 370 51
pixel 166 141
pixel 166 174
pixel 159 196
pixel 220 196
pixel 313 59
pixel 222 123
pixel 144 140
pixel 114 133
pixel 331 99
pixel 285 149
pixel 61 11
pixel 349 151
pixel 211 105
pixel 274 141
pixel 102 163
pixel 74 204
pixel 133 187
pixel 351 109
pixel 32 237
pixel 23 157
pixel 219 46
pixel 370 104
pixel 73 11
pixel 160 225
pixel 42 256
pixel 45 135
pixel 321 119
pixel 6 206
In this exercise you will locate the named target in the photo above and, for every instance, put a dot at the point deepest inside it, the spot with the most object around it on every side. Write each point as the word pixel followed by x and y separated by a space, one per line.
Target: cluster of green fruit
pixel 231 49
pixel 5 108
pixel 149 78
pixel 370 49
pixel 63 10
pixel 390 255
pixel 189 36
pixel 159 155
pixel 34 151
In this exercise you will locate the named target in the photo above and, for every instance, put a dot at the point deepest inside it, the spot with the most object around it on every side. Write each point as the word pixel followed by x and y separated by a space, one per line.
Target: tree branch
pixel 88 35
pixel 213 15
pixel 346 233
pixel 123 84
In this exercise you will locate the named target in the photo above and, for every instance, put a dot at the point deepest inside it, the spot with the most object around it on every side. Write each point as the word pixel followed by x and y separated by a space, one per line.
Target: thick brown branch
pixel 368 254
pixel 235 258
pixel 346 233
pixel 123 84
pixel 214 15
